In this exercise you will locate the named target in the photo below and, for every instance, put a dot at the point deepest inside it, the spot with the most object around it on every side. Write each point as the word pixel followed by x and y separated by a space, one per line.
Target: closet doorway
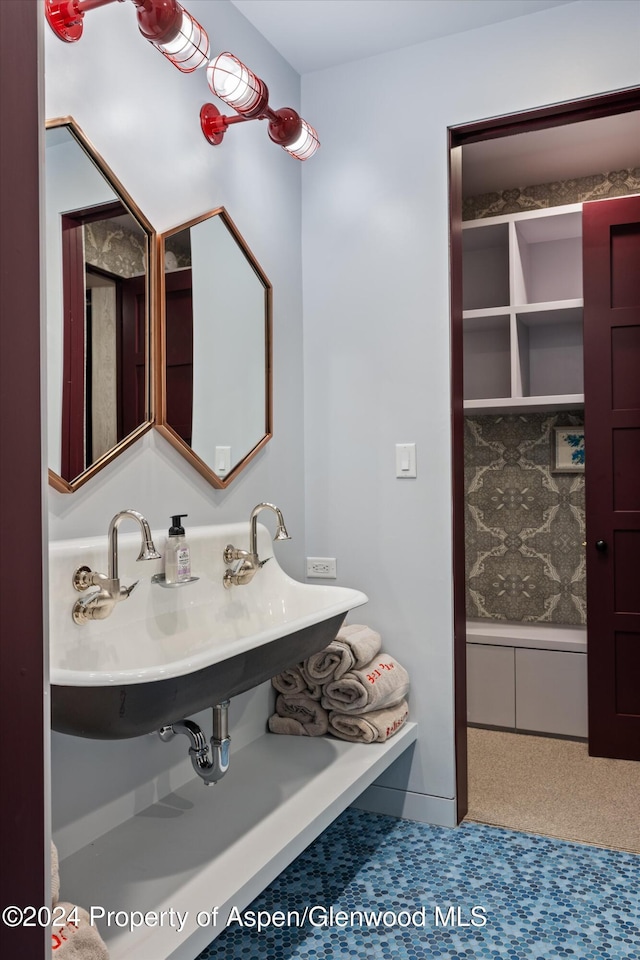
pixel 516 300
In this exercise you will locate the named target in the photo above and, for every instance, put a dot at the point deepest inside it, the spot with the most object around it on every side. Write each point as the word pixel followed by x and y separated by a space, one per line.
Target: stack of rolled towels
pixel 351 689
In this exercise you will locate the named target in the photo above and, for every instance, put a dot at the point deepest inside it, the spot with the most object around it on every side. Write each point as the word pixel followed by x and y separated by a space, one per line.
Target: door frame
pixel 574 111
pixel 24 744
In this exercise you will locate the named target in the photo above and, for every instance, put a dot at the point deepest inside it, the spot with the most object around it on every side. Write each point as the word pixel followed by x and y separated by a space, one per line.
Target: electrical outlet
pixel 322 567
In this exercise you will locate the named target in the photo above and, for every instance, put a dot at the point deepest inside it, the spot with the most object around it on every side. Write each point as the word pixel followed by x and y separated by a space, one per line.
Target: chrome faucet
pixel 247 562
pixel 99 604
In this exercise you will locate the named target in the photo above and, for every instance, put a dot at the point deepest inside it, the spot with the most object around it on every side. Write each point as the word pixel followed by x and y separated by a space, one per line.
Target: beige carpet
pixel 553 787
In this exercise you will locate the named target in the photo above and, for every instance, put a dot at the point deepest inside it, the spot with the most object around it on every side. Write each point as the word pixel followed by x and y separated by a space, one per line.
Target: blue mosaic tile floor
pixel 513 895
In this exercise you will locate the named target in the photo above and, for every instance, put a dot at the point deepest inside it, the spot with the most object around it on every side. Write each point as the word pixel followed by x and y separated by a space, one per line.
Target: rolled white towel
pixel 290 681
pixel 287 726
pixel 355 646
pixel 374 727
pixel 312 689
pixel 75 938
pixel 55 875
pixel 382 683
pixel 309 714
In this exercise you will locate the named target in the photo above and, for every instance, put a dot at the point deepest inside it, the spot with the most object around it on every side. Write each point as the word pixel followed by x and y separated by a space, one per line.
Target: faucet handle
pixel 232 553
pixel 85 577
pixel 82 579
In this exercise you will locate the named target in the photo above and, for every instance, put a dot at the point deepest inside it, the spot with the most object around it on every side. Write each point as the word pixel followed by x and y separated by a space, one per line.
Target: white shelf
pixel 570 401
pixel 548 308
pixel 472 315
pixel 200 848
pixel 523 341
pixel 536 636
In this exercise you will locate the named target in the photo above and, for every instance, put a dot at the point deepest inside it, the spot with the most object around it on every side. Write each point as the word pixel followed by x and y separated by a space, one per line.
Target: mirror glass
pixel 215 347
pixel 97 288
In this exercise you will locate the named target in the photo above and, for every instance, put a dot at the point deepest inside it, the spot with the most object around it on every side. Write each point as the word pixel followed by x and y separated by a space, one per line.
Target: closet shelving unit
pixel 522 311
pixel 523 352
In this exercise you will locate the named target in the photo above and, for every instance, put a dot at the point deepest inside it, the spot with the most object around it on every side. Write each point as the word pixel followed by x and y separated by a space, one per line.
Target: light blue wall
pixel 142 116
pixel 376 318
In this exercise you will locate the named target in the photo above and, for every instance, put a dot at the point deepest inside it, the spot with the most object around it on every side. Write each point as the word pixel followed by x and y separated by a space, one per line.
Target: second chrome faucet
pixel 247 562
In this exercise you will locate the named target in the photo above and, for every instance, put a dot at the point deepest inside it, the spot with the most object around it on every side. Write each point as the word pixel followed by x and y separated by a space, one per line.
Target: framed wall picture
pixel 567 452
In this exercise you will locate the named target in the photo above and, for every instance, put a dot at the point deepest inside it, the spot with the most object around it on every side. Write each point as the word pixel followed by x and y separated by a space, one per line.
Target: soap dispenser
pixel 177 556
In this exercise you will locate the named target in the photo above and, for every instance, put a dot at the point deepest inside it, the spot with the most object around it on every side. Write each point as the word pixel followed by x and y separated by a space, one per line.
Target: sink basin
pixel 164 654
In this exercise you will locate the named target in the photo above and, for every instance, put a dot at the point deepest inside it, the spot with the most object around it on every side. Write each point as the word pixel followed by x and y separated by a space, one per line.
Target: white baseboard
pixel 440 811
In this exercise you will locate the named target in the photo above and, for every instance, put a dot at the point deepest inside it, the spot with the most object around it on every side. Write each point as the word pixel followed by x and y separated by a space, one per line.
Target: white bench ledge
pixel 536 636
pixel 220 846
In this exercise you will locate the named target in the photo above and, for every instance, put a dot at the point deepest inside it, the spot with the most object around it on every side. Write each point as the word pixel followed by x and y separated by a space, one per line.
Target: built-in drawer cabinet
pixel 551 692
pixel 540 691
pixel 491 691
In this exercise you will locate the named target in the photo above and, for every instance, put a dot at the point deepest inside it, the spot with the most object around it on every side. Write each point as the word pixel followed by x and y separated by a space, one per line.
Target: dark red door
pixel 133 406
pixel 179 352
pixel 73 380
pixel 611 231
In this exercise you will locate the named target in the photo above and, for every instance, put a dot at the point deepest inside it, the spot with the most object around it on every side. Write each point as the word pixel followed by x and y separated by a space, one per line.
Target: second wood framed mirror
pixel 213 383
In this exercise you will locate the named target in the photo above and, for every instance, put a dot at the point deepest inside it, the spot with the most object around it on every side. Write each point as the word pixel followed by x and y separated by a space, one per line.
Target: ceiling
pixel 315 34
pixel 559 153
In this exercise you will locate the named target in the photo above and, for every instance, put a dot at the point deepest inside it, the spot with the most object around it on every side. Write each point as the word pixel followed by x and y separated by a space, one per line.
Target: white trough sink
pixel 164 654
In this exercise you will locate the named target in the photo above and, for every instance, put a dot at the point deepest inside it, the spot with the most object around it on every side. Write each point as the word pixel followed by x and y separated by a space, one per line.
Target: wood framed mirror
pixel 214 385
pixel 99 278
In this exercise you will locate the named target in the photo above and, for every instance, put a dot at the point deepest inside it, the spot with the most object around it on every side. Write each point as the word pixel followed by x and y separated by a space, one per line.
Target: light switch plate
pixel 406 460
pixel 222 461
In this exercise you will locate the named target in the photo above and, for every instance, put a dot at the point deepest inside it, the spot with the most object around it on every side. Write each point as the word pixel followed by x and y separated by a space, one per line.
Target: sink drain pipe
pixel 212 768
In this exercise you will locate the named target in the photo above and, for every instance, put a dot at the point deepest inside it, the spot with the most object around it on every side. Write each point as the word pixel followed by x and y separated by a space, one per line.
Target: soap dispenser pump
pixel 177 557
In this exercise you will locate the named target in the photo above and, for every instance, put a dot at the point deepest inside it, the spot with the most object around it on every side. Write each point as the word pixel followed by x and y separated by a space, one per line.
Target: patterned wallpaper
pixel 115 247
pixel 524 524
pixel 177 251
pixel 616 183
